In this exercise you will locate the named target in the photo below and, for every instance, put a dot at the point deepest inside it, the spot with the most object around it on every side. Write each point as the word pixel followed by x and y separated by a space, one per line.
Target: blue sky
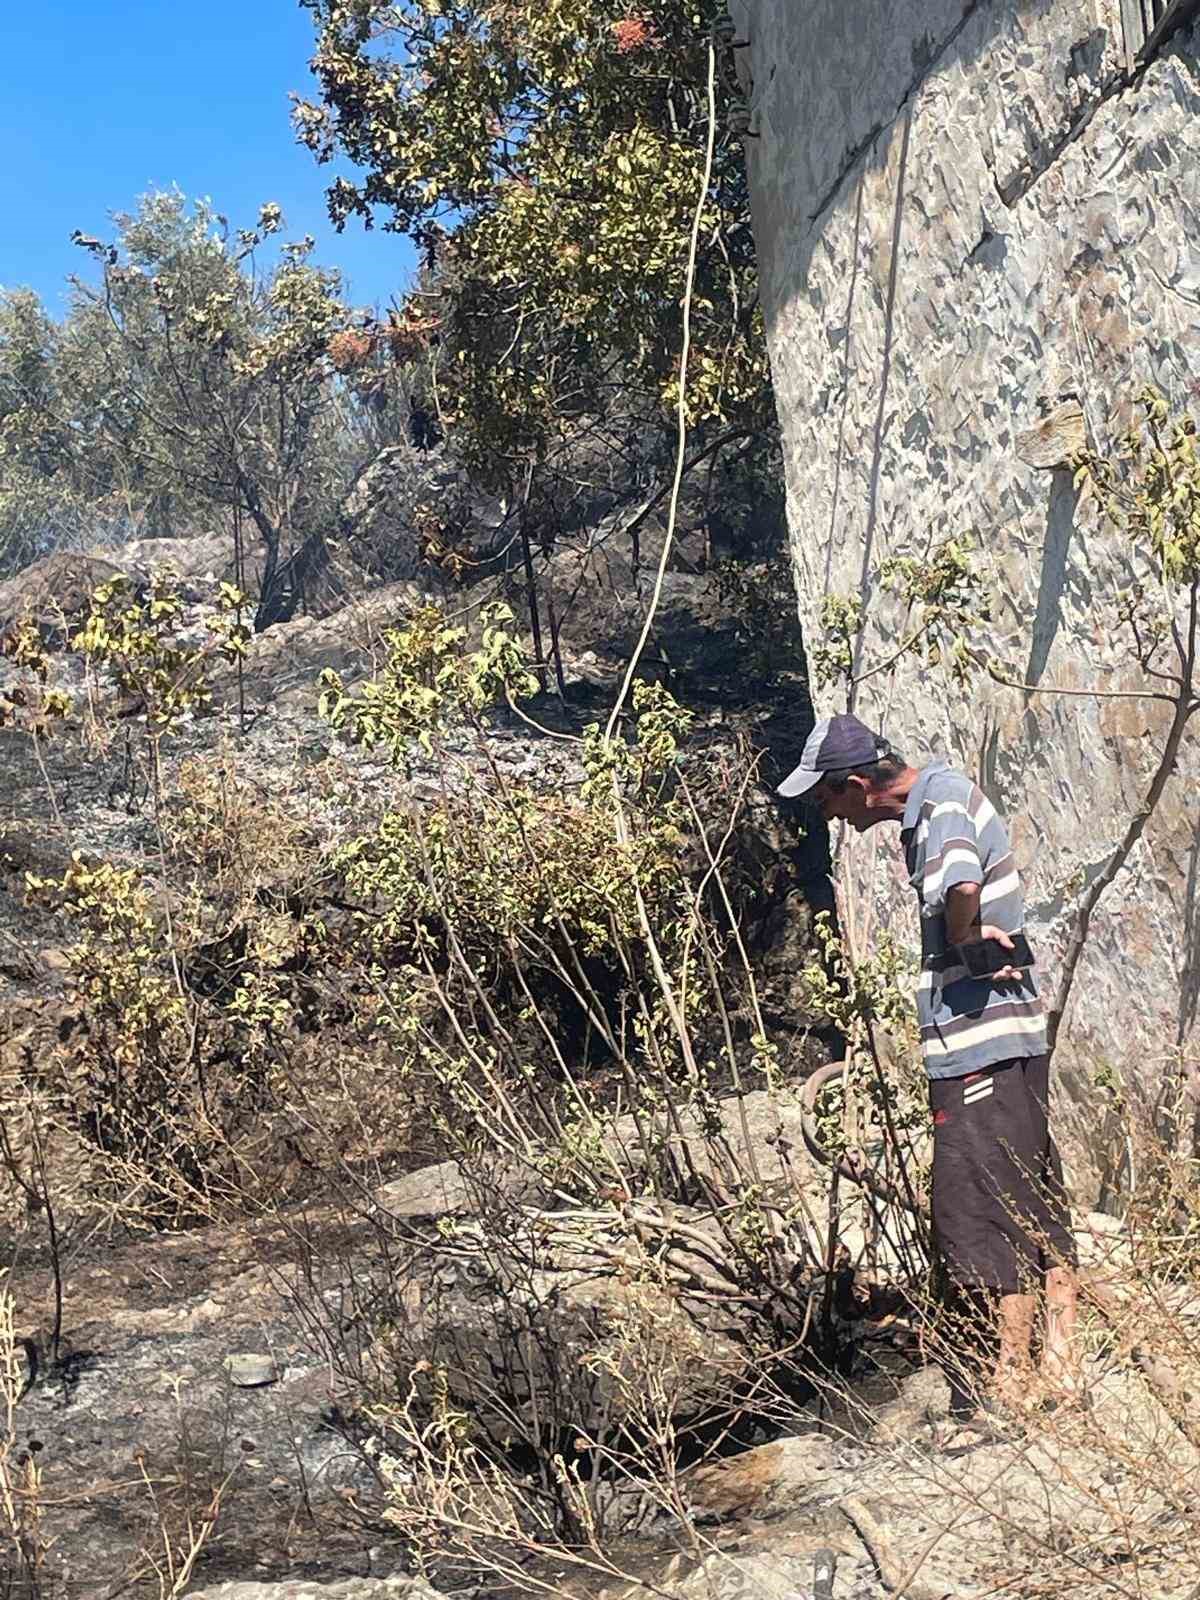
pixel 101 100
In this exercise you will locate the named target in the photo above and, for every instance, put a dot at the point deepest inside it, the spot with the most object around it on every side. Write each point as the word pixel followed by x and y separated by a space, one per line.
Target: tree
pixel 547 159
pixel 190 386
pixel 550 156
pixel 43 501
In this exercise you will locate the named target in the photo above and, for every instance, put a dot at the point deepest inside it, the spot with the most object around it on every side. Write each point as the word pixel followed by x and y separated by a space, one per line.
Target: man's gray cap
pixel 834 744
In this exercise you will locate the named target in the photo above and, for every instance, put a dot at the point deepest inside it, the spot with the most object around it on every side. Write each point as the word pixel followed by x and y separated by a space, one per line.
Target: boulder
pixel 200 562
pixel 762 1131
pixel 54 593
pixel 769 1480
pixel 777 1575
pixel 574 1327
pixel 283 663
pixel 922 1397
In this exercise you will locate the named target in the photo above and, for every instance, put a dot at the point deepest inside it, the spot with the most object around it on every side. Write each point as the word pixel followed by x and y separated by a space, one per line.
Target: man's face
pixel 857 804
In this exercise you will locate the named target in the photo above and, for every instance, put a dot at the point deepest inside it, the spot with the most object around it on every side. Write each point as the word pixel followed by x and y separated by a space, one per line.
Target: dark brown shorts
pixel 1000 1212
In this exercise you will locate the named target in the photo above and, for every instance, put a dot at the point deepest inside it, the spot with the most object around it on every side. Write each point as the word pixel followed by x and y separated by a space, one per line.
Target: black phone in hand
pixel 982 957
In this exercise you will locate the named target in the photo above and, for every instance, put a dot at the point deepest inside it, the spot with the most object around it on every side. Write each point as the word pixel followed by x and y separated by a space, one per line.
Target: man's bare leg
pixel 1015 1326
pixel 1060 1358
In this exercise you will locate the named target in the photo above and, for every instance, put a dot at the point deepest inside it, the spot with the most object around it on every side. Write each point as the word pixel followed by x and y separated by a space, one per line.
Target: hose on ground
pixel 851 1164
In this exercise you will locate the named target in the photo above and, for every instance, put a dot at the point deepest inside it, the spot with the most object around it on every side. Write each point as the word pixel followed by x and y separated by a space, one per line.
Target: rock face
pixel 55 593
pixel 974 224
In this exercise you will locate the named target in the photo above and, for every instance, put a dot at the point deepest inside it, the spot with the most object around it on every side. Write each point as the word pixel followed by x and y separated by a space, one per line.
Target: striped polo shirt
pixel 951 834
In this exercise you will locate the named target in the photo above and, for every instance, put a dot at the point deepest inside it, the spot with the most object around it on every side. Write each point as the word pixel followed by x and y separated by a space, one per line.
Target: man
pixel 1000 1214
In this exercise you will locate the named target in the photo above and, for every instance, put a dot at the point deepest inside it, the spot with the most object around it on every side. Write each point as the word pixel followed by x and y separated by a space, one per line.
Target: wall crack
pixel 1013 190
pixel 855 155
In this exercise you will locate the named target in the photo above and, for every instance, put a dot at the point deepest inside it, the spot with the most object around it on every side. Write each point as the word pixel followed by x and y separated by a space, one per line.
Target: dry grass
pixel 24 1543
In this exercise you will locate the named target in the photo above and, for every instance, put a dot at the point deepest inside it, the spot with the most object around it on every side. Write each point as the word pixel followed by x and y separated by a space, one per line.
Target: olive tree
pixel 189 385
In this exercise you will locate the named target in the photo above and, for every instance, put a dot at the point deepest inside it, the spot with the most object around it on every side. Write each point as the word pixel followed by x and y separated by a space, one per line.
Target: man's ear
pixel 863 785
pixel 870 795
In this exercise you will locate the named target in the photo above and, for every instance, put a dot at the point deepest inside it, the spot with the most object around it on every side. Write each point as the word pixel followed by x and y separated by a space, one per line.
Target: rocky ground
pixel 82 790
pixel 141 1387
pixel 194 1369
pixel 189 1366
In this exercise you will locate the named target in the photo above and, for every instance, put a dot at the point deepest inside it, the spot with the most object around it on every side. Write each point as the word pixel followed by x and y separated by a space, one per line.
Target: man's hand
pixel 1004 974
pixel 963 927
pixel 989 932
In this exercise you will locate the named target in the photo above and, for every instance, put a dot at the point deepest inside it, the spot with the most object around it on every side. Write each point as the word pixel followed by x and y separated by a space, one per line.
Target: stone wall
pixel 965 212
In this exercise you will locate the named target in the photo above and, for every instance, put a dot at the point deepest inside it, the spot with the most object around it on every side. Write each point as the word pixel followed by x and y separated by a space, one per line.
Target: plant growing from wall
pixel 942 599
pixel 1151 492
pixel 1147 488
